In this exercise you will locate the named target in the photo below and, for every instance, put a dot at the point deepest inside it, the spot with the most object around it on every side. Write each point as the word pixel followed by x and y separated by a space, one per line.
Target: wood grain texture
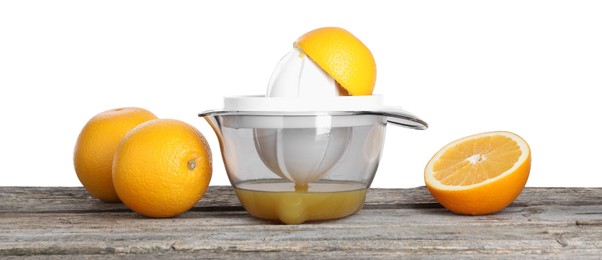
pixel 41 222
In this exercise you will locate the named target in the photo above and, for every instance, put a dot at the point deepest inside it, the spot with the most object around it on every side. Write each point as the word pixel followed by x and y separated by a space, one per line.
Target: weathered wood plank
pixel 57 199
pixel 551 222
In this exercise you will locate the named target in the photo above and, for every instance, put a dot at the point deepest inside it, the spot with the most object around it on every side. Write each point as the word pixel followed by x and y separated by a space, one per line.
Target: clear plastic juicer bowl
pixel 290 164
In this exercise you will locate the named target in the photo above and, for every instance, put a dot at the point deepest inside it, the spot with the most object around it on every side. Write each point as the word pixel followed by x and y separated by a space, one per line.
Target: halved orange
pixel 479 174
pixel 343 56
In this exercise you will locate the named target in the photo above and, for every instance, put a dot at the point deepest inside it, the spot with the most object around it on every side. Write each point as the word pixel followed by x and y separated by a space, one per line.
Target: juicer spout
pixel 212 117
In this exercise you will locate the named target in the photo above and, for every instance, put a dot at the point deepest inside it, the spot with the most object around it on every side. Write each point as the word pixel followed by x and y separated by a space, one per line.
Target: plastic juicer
pixel 303 152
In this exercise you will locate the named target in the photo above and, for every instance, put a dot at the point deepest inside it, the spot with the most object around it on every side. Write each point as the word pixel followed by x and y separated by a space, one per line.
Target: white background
pixel 530 67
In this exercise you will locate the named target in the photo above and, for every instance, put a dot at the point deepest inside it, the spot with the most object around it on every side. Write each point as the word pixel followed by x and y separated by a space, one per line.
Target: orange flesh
pixel 477 160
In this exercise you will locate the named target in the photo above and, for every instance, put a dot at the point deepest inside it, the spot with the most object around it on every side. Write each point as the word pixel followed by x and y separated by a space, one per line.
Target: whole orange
pixel 162 168
pixel 96 145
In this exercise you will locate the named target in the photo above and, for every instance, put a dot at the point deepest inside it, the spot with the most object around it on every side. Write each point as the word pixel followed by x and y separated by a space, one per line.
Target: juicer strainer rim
pixel 319 103
pixel 393 115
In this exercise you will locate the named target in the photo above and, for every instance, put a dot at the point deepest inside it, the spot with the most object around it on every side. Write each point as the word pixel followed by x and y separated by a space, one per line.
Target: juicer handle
pixel 400 117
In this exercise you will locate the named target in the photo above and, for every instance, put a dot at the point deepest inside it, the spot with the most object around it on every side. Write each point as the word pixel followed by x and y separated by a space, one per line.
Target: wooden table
pixel 43 222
